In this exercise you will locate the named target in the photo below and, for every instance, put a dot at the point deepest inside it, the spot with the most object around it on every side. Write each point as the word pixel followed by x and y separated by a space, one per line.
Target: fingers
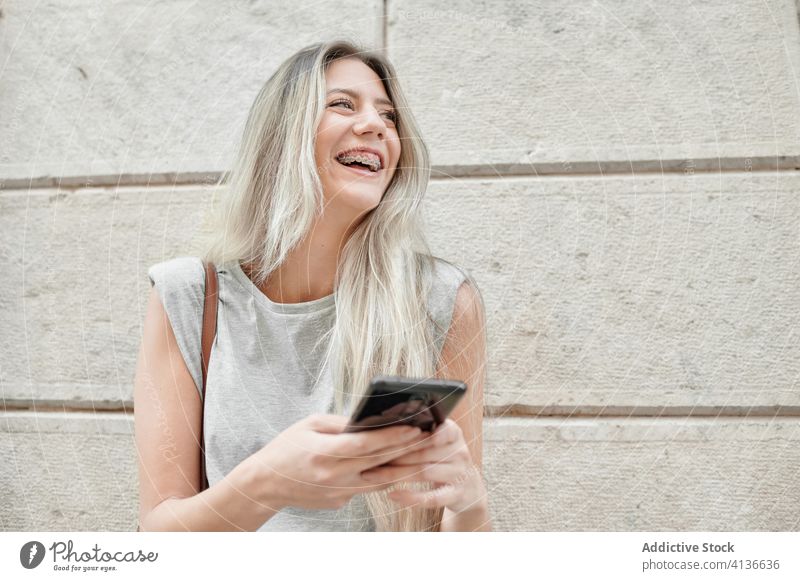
pixel 333 424
pixel 370 443
pixel 451 428
pixel 435 472
pixel 440 439
pixel 445 453
pixel 392 453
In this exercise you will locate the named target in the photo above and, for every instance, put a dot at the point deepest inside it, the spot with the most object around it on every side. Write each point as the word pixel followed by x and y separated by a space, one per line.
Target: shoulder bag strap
pixel 209 333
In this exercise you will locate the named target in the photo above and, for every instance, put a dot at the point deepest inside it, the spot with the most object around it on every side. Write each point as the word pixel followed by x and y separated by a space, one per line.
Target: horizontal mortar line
pixel 125 179
pixel 66 406
pixel 685 166
pixel 654 412
pixel 511 411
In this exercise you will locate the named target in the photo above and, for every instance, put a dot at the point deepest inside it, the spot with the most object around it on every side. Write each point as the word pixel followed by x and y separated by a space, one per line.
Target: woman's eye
pixel 342 102
pixel 390 115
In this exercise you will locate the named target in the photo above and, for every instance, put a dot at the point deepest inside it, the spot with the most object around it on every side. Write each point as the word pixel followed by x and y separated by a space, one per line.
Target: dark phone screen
pixel 403 401
pixel 390 409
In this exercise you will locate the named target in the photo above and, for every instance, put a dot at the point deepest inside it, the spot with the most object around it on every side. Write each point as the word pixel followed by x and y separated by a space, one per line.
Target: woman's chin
pixel 357 196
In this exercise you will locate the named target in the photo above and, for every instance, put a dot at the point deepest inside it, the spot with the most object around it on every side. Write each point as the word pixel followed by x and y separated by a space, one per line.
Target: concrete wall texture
pixel 620 177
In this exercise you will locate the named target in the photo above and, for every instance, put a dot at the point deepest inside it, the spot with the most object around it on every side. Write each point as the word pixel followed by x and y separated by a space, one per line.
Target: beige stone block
pixel 644 474
pixel 647 295
pixel 78 471
pixel 103 89
pixel 587 87
pixel 62 472
pixel 630 294
pixel 74 290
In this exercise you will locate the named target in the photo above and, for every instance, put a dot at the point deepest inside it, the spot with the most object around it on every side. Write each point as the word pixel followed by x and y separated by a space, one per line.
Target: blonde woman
pixel 325 280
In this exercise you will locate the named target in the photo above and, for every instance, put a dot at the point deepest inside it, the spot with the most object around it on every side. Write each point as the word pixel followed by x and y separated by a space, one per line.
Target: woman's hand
pixel 314 464
pixel 444 460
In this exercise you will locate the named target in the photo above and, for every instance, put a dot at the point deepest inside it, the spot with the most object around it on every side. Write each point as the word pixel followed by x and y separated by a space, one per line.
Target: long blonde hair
pixel 274 193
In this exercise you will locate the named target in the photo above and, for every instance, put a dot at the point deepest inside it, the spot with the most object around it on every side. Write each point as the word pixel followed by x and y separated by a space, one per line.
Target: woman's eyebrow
pixel 357 95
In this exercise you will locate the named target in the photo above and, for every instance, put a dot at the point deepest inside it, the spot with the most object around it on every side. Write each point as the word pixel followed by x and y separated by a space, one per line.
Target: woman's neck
pixel 309 271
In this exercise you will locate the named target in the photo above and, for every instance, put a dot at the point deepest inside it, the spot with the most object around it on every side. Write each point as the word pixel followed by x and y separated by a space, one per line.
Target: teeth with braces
pixel 373 162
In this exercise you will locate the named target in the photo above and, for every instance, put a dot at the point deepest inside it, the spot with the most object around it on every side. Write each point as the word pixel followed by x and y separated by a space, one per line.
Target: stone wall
pixel 619 177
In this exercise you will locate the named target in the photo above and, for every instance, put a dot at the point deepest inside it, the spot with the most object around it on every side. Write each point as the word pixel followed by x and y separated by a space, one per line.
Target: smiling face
pixel 358 115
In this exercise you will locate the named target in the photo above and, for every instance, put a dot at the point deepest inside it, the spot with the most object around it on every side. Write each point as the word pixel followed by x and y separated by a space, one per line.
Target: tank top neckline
pixel 317 305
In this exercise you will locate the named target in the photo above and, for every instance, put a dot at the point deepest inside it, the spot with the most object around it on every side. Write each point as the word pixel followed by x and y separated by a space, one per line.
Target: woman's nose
pixel 370 120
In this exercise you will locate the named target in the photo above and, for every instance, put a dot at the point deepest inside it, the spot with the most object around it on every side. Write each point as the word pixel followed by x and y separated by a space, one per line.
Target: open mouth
pixel 361 169
pixel 362 161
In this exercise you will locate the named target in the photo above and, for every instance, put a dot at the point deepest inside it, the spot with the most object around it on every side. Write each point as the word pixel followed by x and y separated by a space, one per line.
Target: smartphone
pixel 394 400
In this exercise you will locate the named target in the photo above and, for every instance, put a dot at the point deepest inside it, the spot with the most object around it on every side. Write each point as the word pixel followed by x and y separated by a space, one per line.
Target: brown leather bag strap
pixel 207 340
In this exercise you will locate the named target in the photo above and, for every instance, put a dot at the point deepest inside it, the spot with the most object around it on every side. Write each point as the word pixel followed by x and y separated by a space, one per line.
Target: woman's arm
pixel 464 358
pixel 168 415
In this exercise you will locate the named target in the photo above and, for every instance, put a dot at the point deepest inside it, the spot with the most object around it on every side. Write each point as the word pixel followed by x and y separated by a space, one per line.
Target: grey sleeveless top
pixel 267 368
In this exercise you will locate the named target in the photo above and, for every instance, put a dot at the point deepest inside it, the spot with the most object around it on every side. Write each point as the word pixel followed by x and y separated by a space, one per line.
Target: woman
pixel 325 281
